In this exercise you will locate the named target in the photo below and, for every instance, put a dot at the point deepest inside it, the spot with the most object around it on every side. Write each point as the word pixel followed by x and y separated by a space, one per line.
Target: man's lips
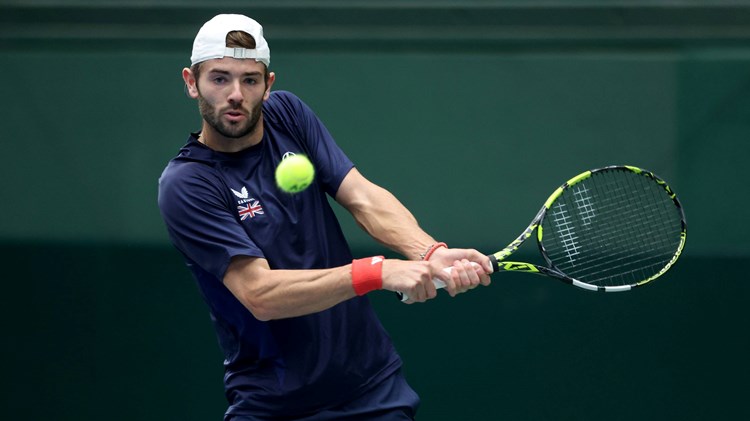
pixel 234 115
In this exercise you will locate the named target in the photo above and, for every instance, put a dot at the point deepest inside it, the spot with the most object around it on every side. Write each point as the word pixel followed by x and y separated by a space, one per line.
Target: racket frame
pixel 500 264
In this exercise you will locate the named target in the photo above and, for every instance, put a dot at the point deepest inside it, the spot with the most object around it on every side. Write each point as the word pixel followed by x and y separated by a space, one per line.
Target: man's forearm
pixel 383 216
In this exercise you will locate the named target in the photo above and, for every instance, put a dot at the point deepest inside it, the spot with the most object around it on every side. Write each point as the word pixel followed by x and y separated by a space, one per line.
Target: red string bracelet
pixel 428 253
pixel 367 274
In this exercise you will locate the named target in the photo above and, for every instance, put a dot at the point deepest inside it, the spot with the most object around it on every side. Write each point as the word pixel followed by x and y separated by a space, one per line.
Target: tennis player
pixel 287 300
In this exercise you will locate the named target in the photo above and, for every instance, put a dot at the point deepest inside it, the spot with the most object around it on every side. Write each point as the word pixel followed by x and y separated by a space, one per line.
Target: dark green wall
pixel 119 332
pixel 470 112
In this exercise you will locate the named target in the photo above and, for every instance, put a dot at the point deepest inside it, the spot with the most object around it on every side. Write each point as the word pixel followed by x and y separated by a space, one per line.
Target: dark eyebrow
pixel 225 72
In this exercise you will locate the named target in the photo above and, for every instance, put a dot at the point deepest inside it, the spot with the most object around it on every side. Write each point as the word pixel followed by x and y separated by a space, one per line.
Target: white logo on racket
pixel 583 202
pixel 567 234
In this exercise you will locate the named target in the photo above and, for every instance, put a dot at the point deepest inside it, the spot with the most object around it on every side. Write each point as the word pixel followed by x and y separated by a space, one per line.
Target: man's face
pixel 230 95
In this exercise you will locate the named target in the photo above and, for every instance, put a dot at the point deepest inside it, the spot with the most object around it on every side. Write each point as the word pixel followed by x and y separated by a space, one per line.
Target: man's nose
pixel 235 95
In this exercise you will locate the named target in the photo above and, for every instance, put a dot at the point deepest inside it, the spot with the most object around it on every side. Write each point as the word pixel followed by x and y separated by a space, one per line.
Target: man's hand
pixel 412 278
pixel 470 268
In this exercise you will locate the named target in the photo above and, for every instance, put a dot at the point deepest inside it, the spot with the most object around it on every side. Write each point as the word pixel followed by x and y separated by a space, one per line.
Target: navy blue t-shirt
pixel 219 205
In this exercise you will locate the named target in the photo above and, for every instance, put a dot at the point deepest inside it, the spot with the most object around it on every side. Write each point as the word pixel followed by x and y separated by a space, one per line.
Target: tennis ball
pixel 294 173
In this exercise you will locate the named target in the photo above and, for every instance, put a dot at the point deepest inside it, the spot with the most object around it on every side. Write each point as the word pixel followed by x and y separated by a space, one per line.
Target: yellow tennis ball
pixel 294 173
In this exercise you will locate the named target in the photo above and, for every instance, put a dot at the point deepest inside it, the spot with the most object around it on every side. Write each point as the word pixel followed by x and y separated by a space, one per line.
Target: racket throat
pixel 508 266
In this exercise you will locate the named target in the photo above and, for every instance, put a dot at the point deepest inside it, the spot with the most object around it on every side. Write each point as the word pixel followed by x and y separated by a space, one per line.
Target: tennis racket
pixel 610 229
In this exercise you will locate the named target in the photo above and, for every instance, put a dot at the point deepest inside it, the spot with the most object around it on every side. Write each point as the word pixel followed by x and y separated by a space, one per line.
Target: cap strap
pixel 241 53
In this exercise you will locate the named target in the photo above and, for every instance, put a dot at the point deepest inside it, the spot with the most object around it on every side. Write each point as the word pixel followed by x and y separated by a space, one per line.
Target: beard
pixel 232 130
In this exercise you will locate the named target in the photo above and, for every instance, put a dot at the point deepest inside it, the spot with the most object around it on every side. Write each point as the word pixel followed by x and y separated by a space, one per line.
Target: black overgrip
pixel 493 262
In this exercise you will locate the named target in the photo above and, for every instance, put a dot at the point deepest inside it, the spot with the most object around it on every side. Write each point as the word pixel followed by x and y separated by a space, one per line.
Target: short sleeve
pixel 200 221
pixel 331 163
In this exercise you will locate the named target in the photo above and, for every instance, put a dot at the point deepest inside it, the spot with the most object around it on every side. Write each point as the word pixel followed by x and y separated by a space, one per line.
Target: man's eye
pixel 251 81
pixel 219 79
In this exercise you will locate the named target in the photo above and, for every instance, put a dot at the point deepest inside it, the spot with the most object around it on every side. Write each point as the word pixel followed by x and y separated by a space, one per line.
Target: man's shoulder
pixel 188 165
pixel 283 96
pixel 284 104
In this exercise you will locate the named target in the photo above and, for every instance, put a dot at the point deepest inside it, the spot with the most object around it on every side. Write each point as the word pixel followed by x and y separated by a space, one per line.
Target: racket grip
pixel 437 282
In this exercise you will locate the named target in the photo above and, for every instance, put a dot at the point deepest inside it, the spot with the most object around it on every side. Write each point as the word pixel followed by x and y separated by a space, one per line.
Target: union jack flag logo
pixel 253 208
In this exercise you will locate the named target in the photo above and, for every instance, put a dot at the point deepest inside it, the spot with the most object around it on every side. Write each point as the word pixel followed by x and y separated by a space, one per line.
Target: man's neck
pixel 220 143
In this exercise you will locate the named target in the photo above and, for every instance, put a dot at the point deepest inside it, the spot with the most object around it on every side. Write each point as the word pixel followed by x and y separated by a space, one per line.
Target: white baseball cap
pixel 210 43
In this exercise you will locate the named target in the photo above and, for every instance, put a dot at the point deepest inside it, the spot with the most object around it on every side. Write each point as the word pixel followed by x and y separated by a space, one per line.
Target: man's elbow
pixel 259 308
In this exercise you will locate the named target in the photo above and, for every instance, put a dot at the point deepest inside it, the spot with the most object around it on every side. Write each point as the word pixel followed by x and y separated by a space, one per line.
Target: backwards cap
pixel 210 43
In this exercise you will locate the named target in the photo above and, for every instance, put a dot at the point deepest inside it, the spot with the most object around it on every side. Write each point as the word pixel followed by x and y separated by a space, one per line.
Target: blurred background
pixel 471 112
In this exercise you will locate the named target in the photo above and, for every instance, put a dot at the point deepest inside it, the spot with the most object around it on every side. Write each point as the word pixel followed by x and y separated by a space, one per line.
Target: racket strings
pixel 623 257
pixel 627 254
pixel 615 228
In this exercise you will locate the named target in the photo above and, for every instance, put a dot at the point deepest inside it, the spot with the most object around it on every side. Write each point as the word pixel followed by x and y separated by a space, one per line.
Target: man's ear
pixel 269 83
pixel 191 85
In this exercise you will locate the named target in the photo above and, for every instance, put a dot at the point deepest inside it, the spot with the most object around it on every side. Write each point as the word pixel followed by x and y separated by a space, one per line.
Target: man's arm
pixel 276 293
pixel 388 221
pixel 383 216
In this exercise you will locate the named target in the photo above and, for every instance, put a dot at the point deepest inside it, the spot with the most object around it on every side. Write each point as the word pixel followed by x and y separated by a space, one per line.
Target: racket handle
pixel 437 282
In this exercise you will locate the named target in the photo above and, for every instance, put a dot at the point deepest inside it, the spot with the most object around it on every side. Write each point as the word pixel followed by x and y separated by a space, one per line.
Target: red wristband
pixel 432 249
pixel 367 274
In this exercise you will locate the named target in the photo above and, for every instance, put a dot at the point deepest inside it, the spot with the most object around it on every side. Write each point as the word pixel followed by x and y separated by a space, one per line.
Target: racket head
pixel 611 229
